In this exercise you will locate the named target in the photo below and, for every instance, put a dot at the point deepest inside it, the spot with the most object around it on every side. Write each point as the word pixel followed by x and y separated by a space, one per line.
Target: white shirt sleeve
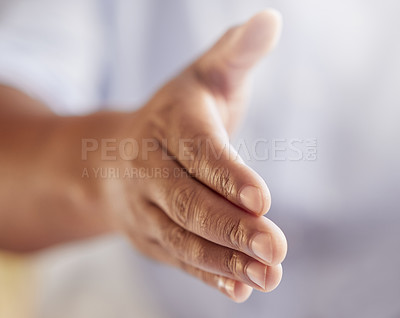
pixel 54 50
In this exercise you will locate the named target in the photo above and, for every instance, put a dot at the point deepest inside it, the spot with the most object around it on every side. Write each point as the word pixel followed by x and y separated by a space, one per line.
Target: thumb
pixel 226 65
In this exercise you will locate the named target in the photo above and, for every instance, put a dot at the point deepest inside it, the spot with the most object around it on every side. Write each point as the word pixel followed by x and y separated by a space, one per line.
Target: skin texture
pixel 203 213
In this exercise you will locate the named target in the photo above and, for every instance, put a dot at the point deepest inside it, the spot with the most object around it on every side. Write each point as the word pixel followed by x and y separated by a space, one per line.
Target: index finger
pixel 195 135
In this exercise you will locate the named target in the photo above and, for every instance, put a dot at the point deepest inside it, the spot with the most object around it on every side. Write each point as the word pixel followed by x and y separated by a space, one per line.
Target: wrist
pixel 96 186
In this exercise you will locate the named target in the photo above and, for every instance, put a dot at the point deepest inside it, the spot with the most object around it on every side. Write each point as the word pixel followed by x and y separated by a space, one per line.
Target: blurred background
pixel 334 79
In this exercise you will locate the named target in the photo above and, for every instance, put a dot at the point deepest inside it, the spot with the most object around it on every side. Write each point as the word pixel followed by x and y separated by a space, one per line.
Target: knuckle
pixel 198 254
pixel 170 108
pixel 204 221
pixel 231 263
pixel 235 232
pixel 221 178
pixel 174 239
pixel 205 163
pixel 158 126
pixel 198 158
pixel 183 201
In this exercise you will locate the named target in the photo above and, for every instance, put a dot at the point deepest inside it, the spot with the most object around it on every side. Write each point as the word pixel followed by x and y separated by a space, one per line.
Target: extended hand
pixel 206 219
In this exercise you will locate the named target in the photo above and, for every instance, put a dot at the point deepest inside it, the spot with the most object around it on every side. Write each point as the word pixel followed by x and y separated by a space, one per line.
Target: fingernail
pixel 238 292
pixel 262 247
pixel 251 198
pixel 257 273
